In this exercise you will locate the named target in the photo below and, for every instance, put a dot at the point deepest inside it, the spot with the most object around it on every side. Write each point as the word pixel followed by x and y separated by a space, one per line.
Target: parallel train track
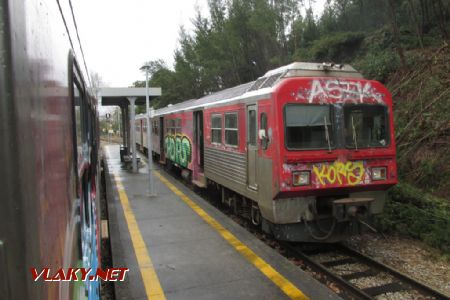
pixel 349 268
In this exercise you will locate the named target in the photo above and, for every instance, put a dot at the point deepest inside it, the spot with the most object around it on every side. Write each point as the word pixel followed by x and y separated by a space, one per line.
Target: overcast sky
pixel 119 36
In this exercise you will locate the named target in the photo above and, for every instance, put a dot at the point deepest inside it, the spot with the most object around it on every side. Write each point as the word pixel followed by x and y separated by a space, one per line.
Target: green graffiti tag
pixel 178 149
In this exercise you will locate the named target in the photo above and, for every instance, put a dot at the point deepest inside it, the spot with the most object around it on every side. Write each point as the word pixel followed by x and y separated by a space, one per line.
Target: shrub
pixel 340 47
pixel 417 214
pixel 378 65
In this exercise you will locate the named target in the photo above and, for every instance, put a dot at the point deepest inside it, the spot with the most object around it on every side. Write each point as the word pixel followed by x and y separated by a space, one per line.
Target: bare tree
pixel 395 31
pixel 415 19
pixel 97 82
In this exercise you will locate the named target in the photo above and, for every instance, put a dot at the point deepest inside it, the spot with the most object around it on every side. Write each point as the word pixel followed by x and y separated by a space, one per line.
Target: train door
pixel 141 140
pixel 252 146
pixel 162 157
pixel 198 135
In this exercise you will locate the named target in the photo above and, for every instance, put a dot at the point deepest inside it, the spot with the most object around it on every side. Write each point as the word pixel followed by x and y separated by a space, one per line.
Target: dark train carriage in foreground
pixel 307 150
pixel 48 153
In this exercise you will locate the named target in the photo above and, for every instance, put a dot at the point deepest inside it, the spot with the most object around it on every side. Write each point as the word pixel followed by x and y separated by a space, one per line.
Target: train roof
pixel 264 84
pixel 223 95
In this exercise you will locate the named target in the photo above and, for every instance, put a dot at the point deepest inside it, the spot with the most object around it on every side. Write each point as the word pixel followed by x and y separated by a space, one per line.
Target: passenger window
pixel 177 126
pixel 231 129
pixel 264 133
pixel 172 126
pixel 216 129
pixel 167 126
pixel 78 118
pixel 155 127
pixel 252 127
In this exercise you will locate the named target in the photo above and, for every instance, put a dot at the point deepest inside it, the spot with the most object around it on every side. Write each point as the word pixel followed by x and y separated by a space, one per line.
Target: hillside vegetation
pixel 402 43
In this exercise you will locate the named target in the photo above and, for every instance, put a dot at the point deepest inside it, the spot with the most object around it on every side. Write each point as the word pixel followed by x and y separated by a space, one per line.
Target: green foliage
pixel 340 47
pixel 378 65
pixel 415 213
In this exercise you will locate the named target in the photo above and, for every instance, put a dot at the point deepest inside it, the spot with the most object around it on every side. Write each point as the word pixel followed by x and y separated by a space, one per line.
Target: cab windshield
pixel 313 126
pixel 308 126
pixel 365 126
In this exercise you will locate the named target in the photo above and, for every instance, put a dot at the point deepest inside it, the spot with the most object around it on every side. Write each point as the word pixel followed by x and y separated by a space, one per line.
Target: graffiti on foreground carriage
pixel 307 151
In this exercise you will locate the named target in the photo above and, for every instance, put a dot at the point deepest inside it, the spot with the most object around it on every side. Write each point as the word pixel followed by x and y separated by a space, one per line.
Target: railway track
pixel 360 276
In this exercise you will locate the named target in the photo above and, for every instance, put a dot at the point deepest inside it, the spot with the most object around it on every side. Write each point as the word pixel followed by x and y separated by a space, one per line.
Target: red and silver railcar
pixel 307 150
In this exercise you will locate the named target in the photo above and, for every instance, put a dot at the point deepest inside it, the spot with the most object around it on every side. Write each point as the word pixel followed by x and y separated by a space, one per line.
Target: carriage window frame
pixel 217 129
pixel 75 81
pixel 236 129
pixel 79 116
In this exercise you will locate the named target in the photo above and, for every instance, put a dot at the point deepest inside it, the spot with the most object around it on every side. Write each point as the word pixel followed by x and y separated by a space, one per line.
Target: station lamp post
pixel 151 190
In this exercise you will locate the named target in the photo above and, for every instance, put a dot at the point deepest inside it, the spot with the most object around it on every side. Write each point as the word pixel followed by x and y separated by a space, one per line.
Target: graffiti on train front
pixel 178 148
pixel 348 172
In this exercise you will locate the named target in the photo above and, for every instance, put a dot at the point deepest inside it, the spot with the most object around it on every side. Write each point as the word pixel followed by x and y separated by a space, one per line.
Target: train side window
pixel 78 119
pixel 263 131
pixel 89 125
pixel 178 126
pixel 231 129
pixel 216 129
pixel 172 127
pixel 252 126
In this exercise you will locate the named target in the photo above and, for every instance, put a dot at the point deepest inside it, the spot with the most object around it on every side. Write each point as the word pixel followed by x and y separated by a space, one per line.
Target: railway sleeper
pixel 339 262
pixel 386 288
pixel 357 275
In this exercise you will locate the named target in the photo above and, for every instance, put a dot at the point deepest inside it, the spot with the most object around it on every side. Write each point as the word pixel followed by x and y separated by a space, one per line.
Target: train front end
pixel 336 156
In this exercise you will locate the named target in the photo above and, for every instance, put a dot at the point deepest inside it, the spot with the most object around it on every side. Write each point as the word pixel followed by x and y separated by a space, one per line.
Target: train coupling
pixel 349 208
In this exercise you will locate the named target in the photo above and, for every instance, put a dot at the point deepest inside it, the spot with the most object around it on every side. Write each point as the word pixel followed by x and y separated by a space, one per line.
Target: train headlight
pixel 379 173
pixel 301 178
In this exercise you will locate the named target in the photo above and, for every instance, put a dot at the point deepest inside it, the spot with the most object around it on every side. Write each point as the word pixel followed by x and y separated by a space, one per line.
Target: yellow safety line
pixel 285 285
pixel 152 285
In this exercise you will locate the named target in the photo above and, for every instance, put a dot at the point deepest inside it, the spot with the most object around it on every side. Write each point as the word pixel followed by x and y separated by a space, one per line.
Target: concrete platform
pixel 178 246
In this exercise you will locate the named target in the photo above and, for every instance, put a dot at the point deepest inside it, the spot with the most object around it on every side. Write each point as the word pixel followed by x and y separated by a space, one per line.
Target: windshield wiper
pixel 354 135
pixel 327 135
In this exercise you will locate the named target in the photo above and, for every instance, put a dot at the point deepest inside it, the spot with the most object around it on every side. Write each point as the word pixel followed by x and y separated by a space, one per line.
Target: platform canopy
pixel 119 96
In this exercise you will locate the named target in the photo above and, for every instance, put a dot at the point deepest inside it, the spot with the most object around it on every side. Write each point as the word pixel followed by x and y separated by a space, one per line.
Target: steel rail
pixel 402 281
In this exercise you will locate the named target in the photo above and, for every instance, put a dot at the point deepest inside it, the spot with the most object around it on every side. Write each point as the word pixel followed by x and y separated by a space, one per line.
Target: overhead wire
pixel 79 43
